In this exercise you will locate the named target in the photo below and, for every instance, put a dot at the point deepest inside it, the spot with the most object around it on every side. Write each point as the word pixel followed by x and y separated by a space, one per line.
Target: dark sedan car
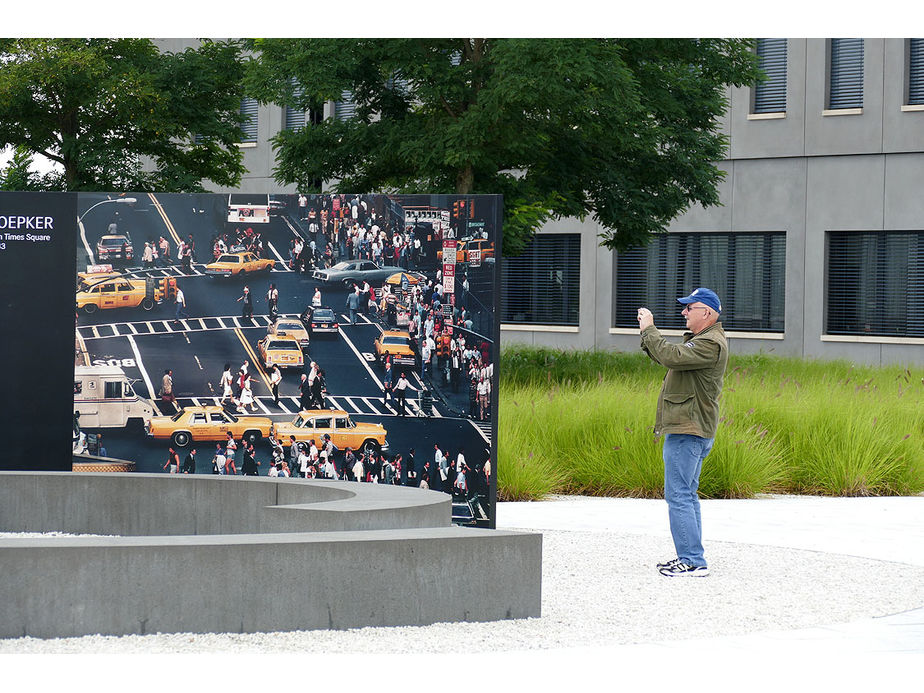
pixel 320 319
pixel 355 272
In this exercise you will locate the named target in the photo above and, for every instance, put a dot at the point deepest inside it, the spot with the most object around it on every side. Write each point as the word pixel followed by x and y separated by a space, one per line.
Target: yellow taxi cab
pixel 396 345
pixel 122 292
pixel 483 248
pixel 238 265
pixel 96 273
pixel 314 424
pixel 289 327
pixel 204 424
pixel 282 350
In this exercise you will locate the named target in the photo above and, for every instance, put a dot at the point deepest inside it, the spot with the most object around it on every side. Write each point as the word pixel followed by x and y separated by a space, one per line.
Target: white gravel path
pixel 599 588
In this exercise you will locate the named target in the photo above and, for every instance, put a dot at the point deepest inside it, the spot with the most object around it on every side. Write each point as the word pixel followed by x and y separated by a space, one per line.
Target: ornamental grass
pixel 582 422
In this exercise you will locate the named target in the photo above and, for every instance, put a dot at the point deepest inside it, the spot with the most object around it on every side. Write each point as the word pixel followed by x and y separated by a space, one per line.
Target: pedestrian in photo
pixel 316 299
pixel 164 250
pixel 173 462
pixel 304 388
pixel 387 383
pixel 425 476
pixel 180 305
pixel 189 464
pixel 225 385
pixel 247 399
pixel 318 390
pixel 246 301
pixel 413 473
pixel 293 454
pixel 688 418
pixel 186 257
pixel 230 450
pixel 353 303
pixel 272 301
pixel 275 378
pixel 219 459
pixel 249 465
pixel 166 387
pixel 359 469
pixel 401 389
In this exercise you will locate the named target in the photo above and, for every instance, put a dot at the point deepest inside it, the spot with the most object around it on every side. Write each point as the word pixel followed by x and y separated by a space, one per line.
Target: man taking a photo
pixel 688 417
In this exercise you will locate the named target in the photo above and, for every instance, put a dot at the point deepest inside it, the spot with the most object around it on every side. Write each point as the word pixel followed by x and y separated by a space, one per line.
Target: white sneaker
pixel 681 569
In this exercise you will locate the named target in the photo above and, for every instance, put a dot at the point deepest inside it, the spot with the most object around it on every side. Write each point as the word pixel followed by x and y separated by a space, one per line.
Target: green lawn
pixel 582 422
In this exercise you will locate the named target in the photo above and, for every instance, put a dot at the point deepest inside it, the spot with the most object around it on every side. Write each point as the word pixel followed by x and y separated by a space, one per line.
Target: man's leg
pixel 683 461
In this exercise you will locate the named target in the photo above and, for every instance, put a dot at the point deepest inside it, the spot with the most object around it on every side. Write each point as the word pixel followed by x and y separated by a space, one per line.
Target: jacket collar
pixel 717 328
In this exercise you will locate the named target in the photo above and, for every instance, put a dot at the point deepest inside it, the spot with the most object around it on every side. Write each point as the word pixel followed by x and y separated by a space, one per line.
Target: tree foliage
pixel 98 107
pixel 622 130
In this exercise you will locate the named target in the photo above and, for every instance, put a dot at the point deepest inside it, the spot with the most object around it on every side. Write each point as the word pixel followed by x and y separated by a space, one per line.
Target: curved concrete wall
pixel 170 504
pixel 224 554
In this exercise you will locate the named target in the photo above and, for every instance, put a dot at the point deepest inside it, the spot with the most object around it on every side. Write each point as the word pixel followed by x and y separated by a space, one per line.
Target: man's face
pixel 698 317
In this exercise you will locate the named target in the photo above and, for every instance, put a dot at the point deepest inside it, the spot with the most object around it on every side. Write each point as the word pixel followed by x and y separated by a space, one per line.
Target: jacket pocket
pixel 678 409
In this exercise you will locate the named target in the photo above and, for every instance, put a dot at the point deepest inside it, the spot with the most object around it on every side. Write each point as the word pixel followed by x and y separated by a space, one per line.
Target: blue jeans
pixel 683 461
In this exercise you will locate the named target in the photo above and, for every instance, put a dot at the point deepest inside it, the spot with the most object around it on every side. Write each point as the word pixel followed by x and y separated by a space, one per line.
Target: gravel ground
pixel 599 588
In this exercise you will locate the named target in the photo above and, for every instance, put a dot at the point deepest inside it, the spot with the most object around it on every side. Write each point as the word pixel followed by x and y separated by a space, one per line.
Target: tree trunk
pixel 465 180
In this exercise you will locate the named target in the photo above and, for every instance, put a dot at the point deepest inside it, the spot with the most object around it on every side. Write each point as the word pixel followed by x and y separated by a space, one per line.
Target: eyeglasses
pixel 692 308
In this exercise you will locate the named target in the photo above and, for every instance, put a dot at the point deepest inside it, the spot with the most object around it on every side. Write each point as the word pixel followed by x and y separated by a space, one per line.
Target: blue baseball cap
pixel 707 297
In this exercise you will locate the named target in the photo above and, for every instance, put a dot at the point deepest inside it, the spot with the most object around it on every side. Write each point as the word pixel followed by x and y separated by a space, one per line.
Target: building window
pixel 746 270
pixel 770 96
pixel 345 109
pixel 542 285
pixel 249 126
pixel 294 118
pixel 915 72
pixel 875 283
pixel 845 73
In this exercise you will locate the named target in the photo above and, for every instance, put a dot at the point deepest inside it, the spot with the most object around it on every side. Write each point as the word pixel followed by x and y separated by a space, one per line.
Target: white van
pixel 104 397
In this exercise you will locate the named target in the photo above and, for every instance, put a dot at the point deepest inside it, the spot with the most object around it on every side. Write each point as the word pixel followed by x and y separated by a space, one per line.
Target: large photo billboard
pixel 326 336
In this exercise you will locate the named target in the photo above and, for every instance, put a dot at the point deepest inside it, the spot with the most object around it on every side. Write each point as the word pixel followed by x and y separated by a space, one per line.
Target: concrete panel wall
pixel 412 574
pixel 903 189
pixel 839 134
pixel 903 130
pixel 70 587
pixel 771 137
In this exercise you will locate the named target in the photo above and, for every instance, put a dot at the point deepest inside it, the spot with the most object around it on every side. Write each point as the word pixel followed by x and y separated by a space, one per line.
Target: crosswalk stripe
pixel 132 328
pixel 370 405
pixel 341 402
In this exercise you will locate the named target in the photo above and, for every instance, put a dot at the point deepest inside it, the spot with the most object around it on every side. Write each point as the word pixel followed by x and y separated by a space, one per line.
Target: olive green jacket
pixel 689 399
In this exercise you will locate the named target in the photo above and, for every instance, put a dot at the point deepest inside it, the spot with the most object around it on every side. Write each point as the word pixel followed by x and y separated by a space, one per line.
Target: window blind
pixel 770 96
pixel 345 109
pixel 875 283
pixel 249 111
pixel 915 71
pixel 294 118
pixel 746 270
pixel 542 285
pixel 846 74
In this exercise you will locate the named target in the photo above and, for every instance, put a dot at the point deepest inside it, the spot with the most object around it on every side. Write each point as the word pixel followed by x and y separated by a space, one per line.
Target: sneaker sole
pixel 687 573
